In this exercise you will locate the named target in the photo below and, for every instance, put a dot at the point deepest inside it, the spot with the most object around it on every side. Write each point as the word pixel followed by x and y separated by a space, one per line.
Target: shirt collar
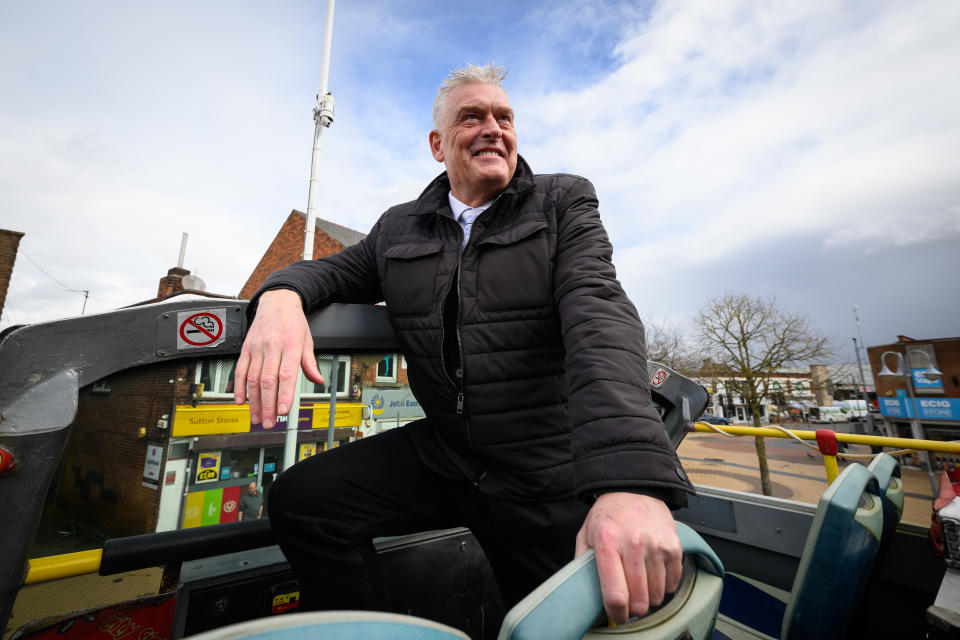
pixel 458 207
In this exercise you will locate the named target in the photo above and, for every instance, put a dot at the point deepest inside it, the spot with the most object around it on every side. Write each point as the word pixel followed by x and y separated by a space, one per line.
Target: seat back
pixel 886 470
pixel 837 557
pixel 335 625
pixel 569 603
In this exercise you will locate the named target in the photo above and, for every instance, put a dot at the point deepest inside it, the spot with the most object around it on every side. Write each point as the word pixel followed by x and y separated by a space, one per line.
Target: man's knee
pixel 296 487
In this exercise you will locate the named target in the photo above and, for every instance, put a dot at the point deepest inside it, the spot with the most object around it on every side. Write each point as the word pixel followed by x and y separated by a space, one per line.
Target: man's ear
pixel 435 147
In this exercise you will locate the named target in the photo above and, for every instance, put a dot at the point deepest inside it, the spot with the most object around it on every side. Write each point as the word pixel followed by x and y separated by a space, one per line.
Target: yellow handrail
pixel 64 566
pixel 830 461
pixel 852 438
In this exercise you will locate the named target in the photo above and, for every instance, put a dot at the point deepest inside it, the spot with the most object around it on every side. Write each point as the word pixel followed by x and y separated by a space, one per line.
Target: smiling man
pixel 529 362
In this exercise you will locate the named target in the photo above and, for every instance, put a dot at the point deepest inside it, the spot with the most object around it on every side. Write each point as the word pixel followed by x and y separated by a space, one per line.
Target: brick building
pixel 287 247
pixel 149 451
pixel 9 242
pixel 935 401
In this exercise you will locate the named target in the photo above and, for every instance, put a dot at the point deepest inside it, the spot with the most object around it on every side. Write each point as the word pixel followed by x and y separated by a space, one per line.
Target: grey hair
pixel 489 74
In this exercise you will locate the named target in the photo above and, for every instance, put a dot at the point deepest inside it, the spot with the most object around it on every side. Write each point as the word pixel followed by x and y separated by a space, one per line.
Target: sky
pixel 802 150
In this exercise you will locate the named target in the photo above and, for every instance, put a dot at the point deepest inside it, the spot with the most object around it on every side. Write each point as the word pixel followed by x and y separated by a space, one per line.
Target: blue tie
pixel 467 218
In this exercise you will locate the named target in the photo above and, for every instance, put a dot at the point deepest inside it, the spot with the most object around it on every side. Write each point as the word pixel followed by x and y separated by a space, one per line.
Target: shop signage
pixel 928 408
pixel 922 382
pixel 210 419
pixel 307 450
pixel 208 467
pixel 214 506
pixel 151 468
pixel 217 419
pixel 390 403
pixel 347 415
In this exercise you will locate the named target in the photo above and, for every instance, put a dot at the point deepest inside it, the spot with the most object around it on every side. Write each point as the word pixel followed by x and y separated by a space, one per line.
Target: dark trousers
pixel 326 510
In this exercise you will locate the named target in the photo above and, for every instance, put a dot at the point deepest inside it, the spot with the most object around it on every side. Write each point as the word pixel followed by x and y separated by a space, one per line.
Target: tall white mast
pixel 323 118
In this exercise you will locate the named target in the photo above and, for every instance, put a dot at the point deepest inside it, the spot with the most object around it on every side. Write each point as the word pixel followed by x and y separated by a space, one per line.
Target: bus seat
pixel 570 602
pixel 886 469
pixel 833 572
pixel 563 607
pixel 334 625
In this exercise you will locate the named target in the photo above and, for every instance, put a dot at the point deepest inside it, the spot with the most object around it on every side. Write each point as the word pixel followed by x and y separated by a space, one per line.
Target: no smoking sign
pixel 198 329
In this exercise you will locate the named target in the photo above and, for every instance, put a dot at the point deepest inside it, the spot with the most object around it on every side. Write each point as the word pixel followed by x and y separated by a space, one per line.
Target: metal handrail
pixel 826 441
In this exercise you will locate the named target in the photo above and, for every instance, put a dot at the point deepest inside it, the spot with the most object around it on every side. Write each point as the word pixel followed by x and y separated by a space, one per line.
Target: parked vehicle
pixel 829 414
pixel 714 419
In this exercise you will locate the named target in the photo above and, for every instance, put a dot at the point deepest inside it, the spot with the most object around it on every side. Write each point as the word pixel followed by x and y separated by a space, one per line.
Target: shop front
pixel 215 453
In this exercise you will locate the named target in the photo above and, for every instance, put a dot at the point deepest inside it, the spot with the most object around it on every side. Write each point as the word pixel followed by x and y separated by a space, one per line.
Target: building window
pixel 324 363
pixel 387 369
pixel 216 376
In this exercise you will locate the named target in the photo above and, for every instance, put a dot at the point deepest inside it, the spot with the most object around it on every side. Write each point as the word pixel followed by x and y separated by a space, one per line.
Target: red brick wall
pixel 947 355
pixel 9 242
pixel 287 248
pixel 370 376
pixel 172 282
pixel 103 469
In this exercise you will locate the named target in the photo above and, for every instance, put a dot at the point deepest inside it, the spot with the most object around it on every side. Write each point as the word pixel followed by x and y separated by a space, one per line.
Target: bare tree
pixel 668 345
pixel 753 338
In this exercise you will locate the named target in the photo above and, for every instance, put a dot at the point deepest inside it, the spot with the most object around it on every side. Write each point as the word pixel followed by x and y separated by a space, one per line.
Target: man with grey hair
pixel 527 357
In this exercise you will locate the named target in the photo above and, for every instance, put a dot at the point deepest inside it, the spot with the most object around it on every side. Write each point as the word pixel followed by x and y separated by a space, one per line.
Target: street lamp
pixel 904 371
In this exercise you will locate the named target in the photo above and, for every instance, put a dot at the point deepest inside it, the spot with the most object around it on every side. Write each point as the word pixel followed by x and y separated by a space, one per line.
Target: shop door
pixel 172 479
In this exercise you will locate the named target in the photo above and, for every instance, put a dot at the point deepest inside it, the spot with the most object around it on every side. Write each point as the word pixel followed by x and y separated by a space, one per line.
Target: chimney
pixel 9 242
pixel 172 282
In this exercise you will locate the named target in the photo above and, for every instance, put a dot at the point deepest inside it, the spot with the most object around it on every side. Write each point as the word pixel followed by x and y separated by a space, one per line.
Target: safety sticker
pixel 659 377
pixel 197 329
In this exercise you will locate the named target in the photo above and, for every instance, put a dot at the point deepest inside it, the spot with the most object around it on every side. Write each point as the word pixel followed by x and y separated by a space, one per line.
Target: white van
pixel 835 413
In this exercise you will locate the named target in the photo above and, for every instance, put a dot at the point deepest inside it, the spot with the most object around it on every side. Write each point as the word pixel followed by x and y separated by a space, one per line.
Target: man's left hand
pixel 639 557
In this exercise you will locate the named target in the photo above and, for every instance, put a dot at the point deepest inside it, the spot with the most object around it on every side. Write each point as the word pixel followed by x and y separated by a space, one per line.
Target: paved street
pixel 796 472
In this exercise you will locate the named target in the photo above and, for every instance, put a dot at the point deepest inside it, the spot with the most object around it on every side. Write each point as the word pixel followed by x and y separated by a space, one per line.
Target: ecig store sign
pixel 928 408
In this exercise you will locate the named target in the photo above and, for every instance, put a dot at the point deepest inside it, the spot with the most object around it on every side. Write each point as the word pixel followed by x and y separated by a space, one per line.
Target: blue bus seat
pixel 336 625
pixel 833 572
pixel 566 606
pixel 886 469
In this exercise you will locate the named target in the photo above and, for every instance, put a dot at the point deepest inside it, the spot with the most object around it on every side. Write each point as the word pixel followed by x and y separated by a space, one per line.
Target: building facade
pixel 163 446
pixel 916 404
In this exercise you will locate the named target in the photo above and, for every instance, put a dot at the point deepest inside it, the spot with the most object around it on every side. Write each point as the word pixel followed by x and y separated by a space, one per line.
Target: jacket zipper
pixel 459 386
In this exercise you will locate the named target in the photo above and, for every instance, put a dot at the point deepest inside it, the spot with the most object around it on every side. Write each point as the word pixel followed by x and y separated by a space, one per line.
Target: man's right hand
pixel 277 344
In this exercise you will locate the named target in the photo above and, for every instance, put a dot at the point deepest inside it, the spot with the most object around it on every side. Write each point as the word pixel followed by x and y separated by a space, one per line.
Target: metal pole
pixel 331 422
pixel 915 421
pixel 322 117
pixel 863 386
pixel 856 315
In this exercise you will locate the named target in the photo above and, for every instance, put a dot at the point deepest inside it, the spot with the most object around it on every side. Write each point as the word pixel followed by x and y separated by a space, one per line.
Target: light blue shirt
pixel 465 215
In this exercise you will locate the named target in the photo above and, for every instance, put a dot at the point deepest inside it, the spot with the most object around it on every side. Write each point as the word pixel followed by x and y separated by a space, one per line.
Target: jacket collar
pixel 434 197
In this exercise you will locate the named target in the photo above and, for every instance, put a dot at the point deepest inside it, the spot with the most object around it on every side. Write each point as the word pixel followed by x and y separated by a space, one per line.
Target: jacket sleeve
pixel 348 276
pixel 618 440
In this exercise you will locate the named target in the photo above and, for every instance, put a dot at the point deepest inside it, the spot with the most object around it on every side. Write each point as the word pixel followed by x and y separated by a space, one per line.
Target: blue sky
pixel 802 150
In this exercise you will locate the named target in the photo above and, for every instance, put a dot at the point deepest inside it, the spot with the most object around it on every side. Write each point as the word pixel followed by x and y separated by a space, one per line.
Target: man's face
pixel 476 141
pixel 252 489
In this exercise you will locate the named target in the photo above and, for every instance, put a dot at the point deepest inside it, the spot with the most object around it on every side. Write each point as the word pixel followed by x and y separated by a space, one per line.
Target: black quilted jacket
pixel 553 398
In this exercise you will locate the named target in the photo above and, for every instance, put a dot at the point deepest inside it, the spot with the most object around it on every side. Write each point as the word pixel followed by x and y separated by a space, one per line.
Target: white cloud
pixel 726 127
